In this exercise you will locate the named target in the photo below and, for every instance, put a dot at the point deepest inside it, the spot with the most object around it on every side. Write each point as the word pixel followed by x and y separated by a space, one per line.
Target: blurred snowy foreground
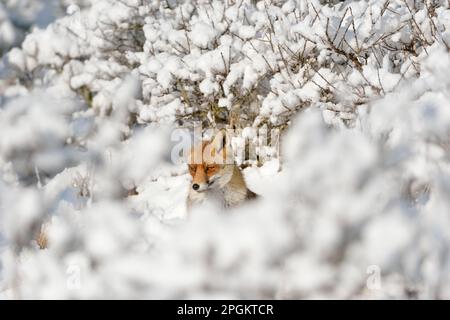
pixel 356 205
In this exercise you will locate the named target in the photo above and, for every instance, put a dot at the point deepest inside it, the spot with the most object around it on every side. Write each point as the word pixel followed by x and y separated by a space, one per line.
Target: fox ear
pixel 221 140
pixel 222 145
pixel 194 155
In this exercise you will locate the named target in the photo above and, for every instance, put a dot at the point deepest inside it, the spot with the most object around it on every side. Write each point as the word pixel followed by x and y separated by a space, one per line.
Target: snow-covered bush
pixel 355 206
pixel 17 17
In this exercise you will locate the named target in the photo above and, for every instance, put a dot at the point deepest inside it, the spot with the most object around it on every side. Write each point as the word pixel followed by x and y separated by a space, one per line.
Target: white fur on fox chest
pixel 228 196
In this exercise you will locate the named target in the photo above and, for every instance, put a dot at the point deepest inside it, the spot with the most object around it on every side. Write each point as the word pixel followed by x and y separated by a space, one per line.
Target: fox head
pixel 211 164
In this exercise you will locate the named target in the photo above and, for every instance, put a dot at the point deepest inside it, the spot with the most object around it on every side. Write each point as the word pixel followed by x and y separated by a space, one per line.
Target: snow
pixel 208 87
pixel 353 198
pixel 202 34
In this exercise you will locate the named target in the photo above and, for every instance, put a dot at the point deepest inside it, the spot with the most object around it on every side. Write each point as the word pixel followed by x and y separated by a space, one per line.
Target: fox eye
pixel 191 167
pixel 210 167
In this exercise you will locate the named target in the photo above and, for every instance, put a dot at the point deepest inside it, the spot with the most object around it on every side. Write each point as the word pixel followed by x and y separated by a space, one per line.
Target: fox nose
pixel 195 186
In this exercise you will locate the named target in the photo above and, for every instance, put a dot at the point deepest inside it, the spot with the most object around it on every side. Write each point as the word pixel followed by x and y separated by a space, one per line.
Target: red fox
pixel 214 175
